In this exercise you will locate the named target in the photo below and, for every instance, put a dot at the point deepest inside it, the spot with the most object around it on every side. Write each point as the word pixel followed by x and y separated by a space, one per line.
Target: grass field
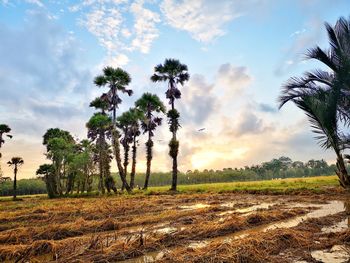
pixel 319 184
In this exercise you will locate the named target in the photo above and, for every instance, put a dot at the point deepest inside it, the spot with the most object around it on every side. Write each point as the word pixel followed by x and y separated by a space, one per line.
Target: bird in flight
pixel 202 129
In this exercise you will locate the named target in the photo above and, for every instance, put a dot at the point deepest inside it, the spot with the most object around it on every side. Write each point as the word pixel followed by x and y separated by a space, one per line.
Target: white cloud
pixel 144 27
pixel 35 2
pixel 105 23
pixel 232 79
pixel 106 20
pixel 116 61
pixel 198 100
pixel 203 19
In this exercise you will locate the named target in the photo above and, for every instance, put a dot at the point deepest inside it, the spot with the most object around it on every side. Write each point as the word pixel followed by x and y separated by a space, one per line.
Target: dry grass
pixel 118 228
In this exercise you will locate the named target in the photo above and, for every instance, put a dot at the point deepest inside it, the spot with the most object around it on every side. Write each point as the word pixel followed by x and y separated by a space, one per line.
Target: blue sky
pixel 239 53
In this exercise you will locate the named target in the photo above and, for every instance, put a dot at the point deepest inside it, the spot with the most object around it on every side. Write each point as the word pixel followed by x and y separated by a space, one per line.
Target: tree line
pixel 282 167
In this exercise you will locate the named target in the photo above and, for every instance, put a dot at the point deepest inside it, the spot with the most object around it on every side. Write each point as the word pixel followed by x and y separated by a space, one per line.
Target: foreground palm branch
pixel 324 94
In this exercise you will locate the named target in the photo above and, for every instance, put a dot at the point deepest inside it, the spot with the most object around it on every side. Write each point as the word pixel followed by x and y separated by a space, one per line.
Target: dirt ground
pixel 177 228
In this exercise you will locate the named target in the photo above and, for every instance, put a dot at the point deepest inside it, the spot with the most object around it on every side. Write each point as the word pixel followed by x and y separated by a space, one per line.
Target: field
pixel 292 220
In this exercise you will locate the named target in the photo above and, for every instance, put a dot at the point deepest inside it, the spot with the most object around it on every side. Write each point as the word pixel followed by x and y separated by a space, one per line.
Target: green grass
pixel 318 184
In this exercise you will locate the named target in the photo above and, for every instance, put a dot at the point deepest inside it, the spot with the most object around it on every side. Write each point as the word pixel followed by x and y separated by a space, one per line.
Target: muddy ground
pixel 177 228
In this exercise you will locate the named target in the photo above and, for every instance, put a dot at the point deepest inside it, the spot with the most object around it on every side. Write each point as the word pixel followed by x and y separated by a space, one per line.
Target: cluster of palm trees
pixel 15 162
pixel 124 130
pixel 112 134
pixel 324 95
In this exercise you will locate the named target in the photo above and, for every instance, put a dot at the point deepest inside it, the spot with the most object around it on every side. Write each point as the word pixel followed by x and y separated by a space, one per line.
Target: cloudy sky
pixel 238 54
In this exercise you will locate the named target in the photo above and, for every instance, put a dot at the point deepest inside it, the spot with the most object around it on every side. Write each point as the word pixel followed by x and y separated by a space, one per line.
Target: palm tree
pixel 128 122
pixel 135 117
pixel 15 162
pixel 173 72
pixel 124 123
pixel 324 94
pixel 87 150
pixel 47 171
pixel 3 130
pixel 116 79
pixel 149 104
pixel 100 103
pixel 97 126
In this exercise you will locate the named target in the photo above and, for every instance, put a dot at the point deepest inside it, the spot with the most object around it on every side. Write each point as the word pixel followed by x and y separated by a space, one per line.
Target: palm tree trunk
pixel 341 171
pixel 149 145
pixel 15 183
pixel 174 172
pixel 101 165
pixel 116 150
pixel 133 166
pixel 58 176
pixel 126 157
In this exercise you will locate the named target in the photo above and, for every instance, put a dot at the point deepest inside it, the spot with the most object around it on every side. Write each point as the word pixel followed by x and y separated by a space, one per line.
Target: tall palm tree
pixel 116 79
pixel 128 122
pixel 16 162
pixel 136 117
pixel 324 94
pixel 149 104
pixel 173 72
pixel 124 124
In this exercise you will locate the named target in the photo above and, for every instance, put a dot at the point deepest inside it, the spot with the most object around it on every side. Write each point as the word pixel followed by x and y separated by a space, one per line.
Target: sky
pixel 239 54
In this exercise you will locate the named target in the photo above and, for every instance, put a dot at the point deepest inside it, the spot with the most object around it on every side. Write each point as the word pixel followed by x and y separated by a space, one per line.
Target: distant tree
pixel 59 145
pixel 15 162
pixel 298 164
pixel 149 104
pixel 116 79
pixel 173 72
pixel 323 94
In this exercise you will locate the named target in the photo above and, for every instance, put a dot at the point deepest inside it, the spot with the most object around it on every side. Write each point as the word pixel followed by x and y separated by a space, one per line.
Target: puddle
pixel 195 206
pixel 150 257
pixel 337 254
pixel 340 226
pixel 166 230
pixel 198 244
pixel 331 208
pixel 255 208
pixel 229 204
pixel 246 210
